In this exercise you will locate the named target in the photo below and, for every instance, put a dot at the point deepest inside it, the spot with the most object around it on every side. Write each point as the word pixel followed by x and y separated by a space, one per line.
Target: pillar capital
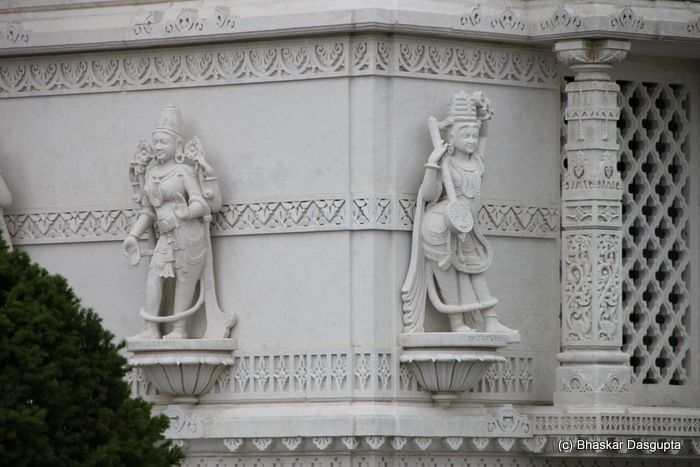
pixel 587 56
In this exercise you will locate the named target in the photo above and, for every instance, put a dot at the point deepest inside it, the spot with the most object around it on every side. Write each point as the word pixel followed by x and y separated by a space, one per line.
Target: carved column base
pixel 593 377
pixel 449 363
pixel 184 369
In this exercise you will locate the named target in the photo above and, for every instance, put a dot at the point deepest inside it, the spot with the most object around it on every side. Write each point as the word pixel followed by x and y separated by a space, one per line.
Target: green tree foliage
pixel 63 398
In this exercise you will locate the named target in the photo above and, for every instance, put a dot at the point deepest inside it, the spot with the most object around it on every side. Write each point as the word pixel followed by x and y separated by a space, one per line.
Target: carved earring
pixel 179 156
pixel 450 149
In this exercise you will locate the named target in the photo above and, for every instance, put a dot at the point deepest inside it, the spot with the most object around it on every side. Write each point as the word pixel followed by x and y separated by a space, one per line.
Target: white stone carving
pixel 350 442
pixel 613 424
pixel 182 444
pixel 448 252
pixel 451 61
pixel 627 19
pixel 13 33
pixel 695 443
pixel 561 19
pixel 182 424
pixel 375 442
pixel 473 18
pixel 177 198
pixel 262 444
pixel 447 364
pixel 292 443
pixel 536 444
pixel 233 444
pixel 322 442
pixel 507 421
pixel 5 201
pixel 655 226
pixel 279 61
pixel 454 443
pixel 423 442
pixel 693 27
pixel 479 443
pixel 187 21
pixel 591 372
pixel 144 26
pixel 178 190
pixel 224 19
pixel 184 370
pixel 398 442
pixel 510 380
pixel 284 216
pixel 508 20
pixel 505 444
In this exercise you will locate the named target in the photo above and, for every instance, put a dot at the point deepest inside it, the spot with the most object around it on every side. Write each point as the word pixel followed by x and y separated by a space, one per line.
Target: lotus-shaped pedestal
pixel 448 363
pixel 184 368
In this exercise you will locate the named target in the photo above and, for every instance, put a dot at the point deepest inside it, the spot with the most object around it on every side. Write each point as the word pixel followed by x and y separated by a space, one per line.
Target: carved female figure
pixel 177 190
pixel 5 201
pixel 449 254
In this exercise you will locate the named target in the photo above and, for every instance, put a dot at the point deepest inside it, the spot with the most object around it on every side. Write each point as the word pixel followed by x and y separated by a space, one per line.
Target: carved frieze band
pixel 436 451
pixel 346 374
pixel 274 61
pixel 617 424
pixel 357 212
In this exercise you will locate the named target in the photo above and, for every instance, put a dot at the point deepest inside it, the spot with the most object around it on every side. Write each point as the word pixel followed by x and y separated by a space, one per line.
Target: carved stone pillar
pixel 593 368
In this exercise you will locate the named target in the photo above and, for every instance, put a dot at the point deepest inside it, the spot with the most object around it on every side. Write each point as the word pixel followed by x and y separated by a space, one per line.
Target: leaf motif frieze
pixel 229 64
pixel 369 211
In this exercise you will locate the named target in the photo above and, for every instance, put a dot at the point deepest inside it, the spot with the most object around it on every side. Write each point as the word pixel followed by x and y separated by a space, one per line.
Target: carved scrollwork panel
pixel 579 263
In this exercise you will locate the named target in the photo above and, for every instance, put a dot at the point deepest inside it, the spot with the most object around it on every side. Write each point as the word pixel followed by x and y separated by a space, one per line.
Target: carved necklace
pixel 155 193
pixel 469 177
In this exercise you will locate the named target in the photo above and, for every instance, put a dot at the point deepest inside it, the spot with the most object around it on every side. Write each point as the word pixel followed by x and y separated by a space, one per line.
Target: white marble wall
pixel 360 140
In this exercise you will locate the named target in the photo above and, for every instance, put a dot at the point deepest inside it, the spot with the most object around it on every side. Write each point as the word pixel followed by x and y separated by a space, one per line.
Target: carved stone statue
pixel 5 201
pixel 449 254
pixel 178 191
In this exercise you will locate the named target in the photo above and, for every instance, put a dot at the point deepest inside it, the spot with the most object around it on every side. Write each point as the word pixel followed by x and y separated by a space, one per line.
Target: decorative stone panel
pixel 368 211
pixel 654 135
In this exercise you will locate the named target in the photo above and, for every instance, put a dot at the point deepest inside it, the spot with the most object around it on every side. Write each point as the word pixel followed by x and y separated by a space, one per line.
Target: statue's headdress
pixel 462 109
pixel 469 109
pixel 170 120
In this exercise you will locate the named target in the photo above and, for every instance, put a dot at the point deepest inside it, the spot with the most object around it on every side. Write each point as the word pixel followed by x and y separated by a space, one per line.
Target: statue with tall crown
pixel 178 191
pixel 449 254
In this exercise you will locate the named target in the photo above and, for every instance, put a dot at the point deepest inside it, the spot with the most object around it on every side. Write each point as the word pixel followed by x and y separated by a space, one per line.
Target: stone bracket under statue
pixel 178 191
pixel 449 363
pixel 449 256
pixel 183 369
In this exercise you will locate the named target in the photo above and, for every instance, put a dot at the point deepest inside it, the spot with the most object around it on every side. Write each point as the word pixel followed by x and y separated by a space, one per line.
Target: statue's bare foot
pixel 492 325
pixel 457 323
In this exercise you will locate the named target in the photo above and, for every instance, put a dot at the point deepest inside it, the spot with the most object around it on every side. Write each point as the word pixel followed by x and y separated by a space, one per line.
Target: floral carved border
pixel 273 61
pixel 346 374
pixel 373 211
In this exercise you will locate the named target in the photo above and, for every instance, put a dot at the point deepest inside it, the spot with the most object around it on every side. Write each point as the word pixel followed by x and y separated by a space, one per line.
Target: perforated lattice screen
pixel 654 161
pixel 653 132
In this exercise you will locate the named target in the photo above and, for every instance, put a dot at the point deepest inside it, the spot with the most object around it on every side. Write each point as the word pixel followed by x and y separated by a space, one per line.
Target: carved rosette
pixel 184 368
pixel 591 224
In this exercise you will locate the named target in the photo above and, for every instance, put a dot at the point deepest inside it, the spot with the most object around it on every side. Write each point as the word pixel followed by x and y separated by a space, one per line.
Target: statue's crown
pixel 462 109
pixel 170 120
